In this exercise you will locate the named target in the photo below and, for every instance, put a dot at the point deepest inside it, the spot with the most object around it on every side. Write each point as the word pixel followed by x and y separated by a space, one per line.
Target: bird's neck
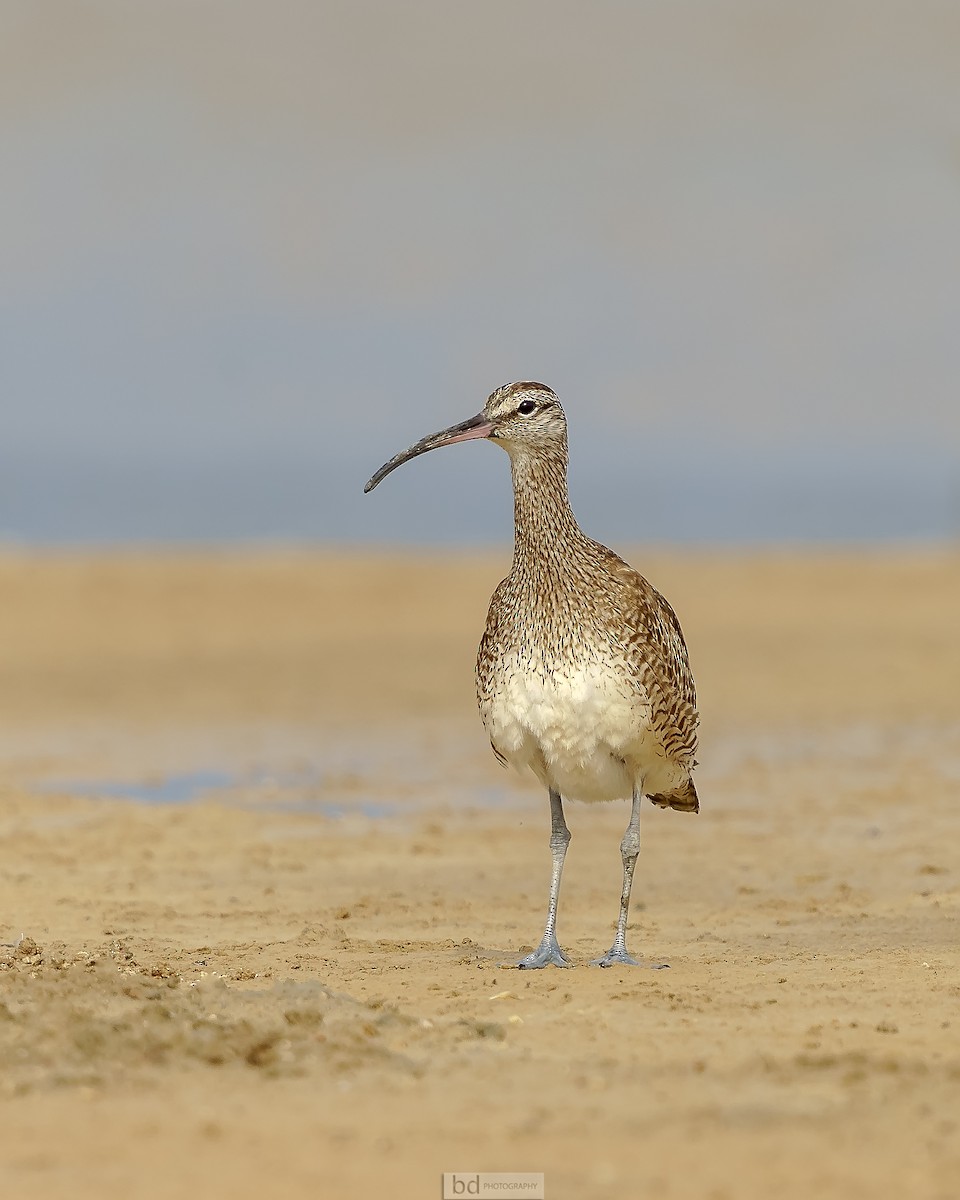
pixel 545 529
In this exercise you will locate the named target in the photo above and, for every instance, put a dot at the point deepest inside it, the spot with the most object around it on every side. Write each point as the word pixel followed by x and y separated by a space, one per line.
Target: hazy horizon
pixel 248 252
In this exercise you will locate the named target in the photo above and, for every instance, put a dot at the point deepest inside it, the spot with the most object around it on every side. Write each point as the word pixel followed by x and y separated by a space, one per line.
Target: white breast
pixel 582 728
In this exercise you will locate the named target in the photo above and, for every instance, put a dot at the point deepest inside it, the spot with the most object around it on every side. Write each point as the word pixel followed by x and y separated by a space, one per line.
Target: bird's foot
pixel 617 956
pixel 546 954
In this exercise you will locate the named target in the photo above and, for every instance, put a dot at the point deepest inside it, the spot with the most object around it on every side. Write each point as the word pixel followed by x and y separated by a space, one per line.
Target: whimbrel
pixel 582 674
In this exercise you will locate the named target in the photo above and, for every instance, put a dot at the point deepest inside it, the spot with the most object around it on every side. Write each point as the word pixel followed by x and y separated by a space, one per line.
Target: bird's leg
pixel 629 849
pixel 549 949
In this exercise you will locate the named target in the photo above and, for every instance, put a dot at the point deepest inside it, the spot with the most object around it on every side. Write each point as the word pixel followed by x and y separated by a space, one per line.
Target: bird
pixel 583 675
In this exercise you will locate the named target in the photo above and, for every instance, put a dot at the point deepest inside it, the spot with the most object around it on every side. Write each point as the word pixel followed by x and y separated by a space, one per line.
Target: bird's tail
pixel 683 799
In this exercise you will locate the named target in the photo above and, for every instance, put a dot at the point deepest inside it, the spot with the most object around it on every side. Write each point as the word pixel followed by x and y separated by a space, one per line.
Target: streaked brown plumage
pixel 582 673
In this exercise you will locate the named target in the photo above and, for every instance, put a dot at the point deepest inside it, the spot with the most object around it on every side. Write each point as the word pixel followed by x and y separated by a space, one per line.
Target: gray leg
pixel 549 949
pixel 629 849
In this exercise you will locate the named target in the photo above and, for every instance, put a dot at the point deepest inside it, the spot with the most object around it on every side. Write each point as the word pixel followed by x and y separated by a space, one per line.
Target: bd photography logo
pixel 462 1185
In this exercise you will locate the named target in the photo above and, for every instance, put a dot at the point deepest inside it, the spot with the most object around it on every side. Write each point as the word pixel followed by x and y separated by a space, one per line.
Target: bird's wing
pixel 654 644
pixel 486 660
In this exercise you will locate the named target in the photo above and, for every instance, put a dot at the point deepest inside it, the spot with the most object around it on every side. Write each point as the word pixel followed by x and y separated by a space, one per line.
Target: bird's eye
pixel 526 407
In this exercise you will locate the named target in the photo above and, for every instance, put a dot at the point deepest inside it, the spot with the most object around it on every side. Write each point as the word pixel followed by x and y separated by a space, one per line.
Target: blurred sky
pixel 250 250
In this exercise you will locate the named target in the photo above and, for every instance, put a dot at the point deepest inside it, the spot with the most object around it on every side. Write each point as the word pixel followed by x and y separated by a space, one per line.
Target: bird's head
pixel 525 418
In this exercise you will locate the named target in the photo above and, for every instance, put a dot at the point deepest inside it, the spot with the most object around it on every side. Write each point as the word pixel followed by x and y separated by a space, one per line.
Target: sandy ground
pixel 297 983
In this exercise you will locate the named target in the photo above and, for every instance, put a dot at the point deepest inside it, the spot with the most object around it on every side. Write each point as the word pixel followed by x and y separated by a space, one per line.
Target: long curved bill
pixel 479 426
